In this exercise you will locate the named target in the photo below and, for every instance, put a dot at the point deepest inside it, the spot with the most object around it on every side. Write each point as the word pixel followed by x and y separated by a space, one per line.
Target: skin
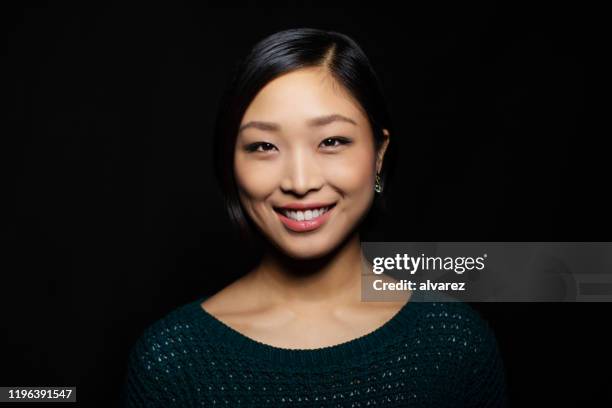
pixel 306 292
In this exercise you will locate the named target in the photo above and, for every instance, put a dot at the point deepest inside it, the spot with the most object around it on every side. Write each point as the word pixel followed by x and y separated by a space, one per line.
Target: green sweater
pixel 431 353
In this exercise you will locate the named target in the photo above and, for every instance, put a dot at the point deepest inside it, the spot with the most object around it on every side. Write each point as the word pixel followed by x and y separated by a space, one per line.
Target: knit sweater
pixel 429 354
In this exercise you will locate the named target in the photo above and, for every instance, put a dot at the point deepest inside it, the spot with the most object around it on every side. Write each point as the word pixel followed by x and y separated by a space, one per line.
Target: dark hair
pixel 279 54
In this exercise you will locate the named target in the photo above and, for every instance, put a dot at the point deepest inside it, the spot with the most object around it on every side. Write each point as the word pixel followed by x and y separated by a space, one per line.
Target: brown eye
pixel 331 141
pixel 254 147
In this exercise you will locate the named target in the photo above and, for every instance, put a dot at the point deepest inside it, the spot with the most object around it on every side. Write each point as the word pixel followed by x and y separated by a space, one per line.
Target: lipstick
pixel 305 225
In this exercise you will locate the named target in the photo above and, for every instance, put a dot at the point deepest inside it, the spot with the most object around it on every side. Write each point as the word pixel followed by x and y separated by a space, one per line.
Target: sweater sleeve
pixel 146 382
pixel 485 377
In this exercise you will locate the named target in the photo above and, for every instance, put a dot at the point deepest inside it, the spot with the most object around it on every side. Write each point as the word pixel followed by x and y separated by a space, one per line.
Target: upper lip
pixel 304 206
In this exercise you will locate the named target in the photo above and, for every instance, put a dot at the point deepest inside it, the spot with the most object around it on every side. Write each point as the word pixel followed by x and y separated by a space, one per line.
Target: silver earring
pixel 378 185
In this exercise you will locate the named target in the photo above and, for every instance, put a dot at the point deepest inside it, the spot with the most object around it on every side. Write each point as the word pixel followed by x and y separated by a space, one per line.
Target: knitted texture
pixel 430 354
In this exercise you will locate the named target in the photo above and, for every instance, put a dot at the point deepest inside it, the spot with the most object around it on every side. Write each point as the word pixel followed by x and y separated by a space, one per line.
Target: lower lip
pixel 306 225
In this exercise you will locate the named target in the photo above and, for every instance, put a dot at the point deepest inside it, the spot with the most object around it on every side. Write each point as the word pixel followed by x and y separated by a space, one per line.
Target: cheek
pixel 355 173
pixel 253 179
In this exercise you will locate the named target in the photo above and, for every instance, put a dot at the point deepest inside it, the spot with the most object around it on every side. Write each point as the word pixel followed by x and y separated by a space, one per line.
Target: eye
pixel 254 147
pixel 339 139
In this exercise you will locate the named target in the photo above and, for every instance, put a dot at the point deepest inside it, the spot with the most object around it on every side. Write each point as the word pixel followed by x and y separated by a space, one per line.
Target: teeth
pixel 305 215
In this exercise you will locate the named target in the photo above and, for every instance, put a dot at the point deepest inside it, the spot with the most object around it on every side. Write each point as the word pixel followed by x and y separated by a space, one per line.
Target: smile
pixel 308 220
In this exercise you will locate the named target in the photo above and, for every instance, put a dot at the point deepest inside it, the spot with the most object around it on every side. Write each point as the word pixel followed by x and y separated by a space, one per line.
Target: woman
pixel 302 151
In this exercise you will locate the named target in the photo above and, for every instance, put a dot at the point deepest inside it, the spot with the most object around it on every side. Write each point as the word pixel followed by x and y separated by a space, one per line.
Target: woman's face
pixel 287 153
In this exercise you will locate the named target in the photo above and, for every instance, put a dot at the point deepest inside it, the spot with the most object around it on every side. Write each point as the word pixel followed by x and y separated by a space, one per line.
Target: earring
pixel 378 185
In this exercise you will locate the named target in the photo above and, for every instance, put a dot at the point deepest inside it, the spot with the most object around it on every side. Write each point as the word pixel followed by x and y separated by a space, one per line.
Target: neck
pixel 332 278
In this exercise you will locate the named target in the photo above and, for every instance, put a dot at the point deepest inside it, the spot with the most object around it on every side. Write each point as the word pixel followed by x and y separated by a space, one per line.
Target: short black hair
pixel 278 54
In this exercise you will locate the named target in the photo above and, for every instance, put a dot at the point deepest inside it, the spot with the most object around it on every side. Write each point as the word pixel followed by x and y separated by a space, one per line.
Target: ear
pixel 381 152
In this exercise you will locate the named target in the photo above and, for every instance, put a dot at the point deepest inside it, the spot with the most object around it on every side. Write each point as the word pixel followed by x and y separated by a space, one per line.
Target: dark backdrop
pixel 114 218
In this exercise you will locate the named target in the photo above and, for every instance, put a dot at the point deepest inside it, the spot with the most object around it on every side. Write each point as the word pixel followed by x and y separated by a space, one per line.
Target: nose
pixel 301 174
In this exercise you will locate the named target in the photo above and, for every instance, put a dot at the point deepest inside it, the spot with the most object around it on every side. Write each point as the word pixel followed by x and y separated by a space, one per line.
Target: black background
pixel 114 219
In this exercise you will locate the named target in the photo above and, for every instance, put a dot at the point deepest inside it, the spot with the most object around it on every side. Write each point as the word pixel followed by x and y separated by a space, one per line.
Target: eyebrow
pixel 314 122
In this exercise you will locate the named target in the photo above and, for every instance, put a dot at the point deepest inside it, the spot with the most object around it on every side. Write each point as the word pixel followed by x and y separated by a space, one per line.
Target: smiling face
pixel 284 156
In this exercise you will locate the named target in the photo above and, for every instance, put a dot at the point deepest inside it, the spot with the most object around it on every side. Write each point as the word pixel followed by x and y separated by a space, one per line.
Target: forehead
pixel 297 96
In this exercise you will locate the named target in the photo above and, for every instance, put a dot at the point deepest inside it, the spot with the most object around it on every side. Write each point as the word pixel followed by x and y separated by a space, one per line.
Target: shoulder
pixel 460 338
pixel 456 323
pixel 169 328
pixel 163 345
pixel 455 331
pixel 156 356
pixel 445 312
pixel 237 297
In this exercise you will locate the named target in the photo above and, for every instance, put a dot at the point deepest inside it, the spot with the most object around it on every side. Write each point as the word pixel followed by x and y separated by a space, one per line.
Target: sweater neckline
pixel 336 353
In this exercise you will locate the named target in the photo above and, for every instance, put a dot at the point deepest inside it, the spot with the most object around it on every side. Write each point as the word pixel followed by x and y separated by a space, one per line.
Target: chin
pixel 305 254
pixel 316 246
